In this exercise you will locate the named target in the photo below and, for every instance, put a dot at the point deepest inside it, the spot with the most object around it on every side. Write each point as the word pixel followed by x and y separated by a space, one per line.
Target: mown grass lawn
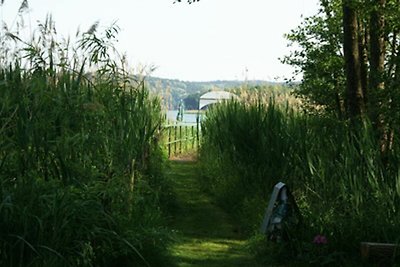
pixel 206 235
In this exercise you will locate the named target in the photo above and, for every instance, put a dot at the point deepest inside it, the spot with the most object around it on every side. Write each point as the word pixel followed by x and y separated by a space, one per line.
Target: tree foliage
pixel 189 1
pixel 373 83
pixel 319 58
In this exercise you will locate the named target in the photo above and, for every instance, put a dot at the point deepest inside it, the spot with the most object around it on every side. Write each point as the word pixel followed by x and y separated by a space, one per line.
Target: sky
pixel 204 41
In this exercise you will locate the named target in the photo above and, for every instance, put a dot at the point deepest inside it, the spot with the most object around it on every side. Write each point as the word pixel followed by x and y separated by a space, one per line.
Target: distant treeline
pixel 173 91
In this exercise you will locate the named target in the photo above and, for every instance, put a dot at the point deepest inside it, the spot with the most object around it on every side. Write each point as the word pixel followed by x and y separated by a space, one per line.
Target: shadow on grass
pixel 206 235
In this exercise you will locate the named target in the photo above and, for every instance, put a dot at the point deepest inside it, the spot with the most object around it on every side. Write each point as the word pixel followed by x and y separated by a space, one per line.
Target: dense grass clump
pixel 346 189
pixel 80 166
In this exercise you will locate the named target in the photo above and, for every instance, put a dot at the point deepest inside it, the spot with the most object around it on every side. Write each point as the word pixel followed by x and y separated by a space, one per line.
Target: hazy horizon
pixel 206 41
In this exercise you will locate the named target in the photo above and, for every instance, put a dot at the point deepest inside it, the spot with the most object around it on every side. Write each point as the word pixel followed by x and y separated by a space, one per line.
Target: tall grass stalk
pixel 344 189
pixel 72 122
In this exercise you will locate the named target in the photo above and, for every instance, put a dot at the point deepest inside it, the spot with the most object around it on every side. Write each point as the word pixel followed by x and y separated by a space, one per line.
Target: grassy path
pixel 206 234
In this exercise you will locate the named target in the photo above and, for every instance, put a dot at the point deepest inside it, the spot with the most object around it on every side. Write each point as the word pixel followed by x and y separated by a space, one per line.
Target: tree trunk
pixel 362 47
pixel 377 46
pixel 377 68
pixel 355 97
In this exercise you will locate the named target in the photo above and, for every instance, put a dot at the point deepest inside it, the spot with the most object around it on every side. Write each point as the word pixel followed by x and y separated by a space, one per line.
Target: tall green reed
pixel 343 187
pixel 79 185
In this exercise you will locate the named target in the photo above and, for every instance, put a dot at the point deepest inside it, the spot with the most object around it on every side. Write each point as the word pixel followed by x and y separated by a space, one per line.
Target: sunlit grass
pixel 206 235
pixel 211 252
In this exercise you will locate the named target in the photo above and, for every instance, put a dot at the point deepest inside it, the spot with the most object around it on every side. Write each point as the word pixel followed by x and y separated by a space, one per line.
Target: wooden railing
pixel 181 138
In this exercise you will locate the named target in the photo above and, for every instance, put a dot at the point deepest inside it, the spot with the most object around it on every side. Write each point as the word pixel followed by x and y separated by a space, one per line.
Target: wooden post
pixel 192 136
pixel 180 139
pixel 175 138
pixel 169 142
pixel 186 138
pixel 197 132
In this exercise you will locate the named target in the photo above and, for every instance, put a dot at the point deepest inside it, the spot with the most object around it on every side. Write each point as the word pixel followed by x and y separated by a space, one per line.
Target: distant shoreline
pixel 193 111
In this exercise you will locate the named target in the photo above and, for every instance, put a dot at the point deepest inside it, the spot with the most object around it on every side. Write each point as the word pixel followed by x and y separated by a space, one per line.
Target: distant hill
pixel 172 91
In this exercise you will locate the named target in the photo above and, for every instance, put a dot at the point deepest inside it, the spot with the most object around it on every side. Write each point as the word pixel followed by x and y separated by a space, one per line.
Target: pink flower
pixel 320 240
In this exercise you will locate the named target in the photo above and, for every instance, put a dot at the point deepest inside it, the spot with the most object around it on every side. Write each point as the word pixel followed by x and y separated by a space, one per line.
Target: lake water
pixel 188 118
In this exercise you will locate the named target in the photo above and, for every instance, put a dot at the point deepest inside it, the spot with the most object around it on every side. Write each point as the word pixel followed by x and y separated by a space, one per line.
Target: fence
pixel 181 138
